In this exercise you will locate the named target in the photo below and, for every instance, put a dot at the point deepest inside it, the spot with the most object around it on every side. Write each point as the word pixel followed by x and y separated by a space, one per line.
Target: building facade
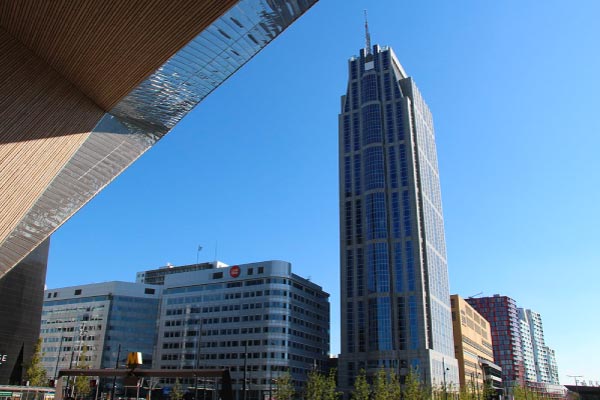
pixel 258 320
pixel 395 301
pixel 472 345
pixel 92 324
pixel 541 358
pixel 503 316
pixel 21 292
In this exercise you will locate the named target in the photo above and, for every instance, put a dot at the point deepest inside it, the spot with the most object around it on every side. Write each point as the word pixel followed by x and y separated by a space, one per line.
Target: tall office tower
pixel 502 314
pixel 527 347
pixel 395 301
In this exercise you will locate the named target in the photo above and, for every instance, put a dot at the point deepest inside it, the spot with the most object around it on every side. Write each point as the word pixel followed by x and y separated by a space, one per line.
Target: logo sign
pixel 134 359
pixel 234 271
pixel 3 358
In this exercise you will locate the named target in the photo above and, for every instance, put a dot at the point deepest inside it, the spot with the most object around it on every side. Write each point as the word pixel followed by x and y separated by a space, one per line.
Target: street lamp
pixel 445 387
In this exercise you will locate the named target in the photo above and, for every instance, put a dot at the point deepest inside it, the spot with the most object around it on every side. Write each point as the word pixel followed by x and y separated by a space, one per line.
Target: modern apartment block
pixel 473 347
pixel 90 323
pixel 395 301
pixel 259 320
pixel 539 356
pixel 503 316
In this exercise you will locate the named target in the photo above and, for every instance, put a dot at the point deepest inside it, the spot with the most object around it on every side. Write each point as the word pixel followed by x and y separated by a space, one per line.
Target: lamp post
pixel 58 358
pixel 445 387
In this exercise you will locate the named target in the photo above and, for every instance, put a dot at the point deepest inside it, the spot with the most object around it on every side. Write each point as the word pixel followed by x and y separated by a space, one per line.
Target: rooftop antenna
pixel 367 35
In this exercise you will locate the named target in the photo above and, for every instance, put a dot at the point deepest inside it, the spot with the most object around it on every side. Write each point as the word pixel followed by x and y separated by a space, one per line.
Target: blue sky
pixel 251 173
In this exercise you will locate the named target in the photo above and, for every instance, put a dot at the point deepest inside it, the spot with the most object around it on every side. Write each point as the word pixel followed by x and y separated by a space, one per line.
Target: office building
pixel 259 320
pixel 157 276
pixel 93 324
pixel 503 316
pixel 395 300
pixel 473 347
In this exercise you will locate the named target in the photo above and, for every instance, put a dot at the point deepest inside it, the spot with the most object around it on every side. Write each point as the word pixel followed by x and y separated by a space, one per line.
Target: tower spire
pixel 367 35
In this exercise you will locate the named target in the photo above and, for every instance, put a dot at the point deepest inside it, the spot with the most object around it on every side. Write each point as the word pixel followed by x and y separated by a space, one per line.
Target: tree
pixel 330 386
pixel 362 390
pixel 284 390
pixel 380 391
pixel 176 391
pixel 35 373
pixel 315 386
pixel 394 386
pixel 82 383
pixel 413 389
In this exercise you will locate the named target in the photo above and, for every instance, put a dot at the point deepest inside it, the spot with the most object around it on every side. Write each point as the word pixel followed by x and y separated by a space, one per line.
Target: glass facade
pixel 394 279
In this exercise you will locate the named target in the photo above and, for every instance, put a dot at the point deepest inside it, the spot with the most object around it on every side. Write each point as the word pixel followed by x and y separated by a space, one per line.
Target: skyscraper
pixel 395 301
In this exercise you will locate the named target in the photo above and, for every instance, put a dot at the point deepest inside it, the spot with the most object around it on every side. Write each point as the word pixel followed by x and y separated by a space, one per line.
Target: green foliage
pixel 330 386
pixel 82 383
pixel 35 373
pixel 321 387
pixel 380 386
pixel 177 390
pixel 393 386
pixel 413 389
pixel 362 390
pixel 284 389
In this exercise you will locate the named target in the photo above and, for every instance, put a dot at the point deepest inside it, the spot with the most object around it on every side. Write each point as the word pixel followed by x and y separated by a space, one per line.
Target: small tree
pixel 176 391
pixel 380 390
pixel 82 383
pixel 284 390
pixel 362 390
pixel 395 392
pixel 35 373
pixel 315 386
pixel 413 390
pixel 330 386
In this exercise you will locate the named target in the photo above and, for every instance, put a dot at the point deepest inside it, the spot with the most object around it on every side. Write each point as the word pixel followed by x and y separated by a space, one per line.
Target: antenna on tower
pixel 367 35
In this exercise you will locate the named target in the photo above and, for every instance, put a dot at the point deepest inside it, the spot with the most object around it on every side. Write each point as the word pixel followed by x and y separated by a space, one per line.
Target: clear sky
pixel 251 173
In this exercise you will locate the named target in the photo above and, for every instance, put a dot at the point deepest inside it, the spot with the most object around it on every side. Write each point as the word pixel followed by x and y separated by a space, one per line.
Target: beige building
pixel 472 342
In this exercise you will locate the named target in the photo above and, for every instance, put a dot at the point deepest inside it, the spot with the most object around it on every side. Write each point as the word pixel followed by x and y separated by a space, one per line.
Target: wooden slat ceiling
pixel 107 47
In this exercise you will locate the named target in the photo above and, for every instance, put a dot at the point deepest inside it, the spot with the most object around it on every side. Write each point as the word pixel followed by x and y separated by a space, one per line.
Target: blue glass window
pixel 403 166
pixel 353 70
pixel 385 58
pixel 401 323
pixel 357 178
pixel 356 131
pixel 387 87
pixel 361 327
pixel 393 167
pixel 398 267
pixel 399 122
pixel 348 222
pixel 374 168
pixel 412 320
pixel 360 272
pixel 346 127
pixel 377 267
pixel 349 273
pixel 369 88
pixel 373 317
pixel 358 222
pixel 371 122
pixel 350 326
pixel 354 96
pixel 384 323
pixel 347 177
pixel 389 123
pixel 410 268
pixel 396 215
pixel 406 211
pixel 376 216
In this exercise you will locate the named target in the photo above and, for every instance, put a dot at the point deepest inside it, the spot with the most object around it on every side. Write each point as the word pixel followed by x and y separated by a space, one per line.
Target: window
pixel 149 291
pixel 250 271
pixel 77 292
pixel 217 275
pixel 261 270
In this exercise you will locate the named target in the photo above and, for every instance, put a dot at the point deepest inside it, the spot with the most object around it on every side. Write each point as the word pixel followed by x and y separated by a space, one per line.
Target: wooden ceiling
pixel 107 47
